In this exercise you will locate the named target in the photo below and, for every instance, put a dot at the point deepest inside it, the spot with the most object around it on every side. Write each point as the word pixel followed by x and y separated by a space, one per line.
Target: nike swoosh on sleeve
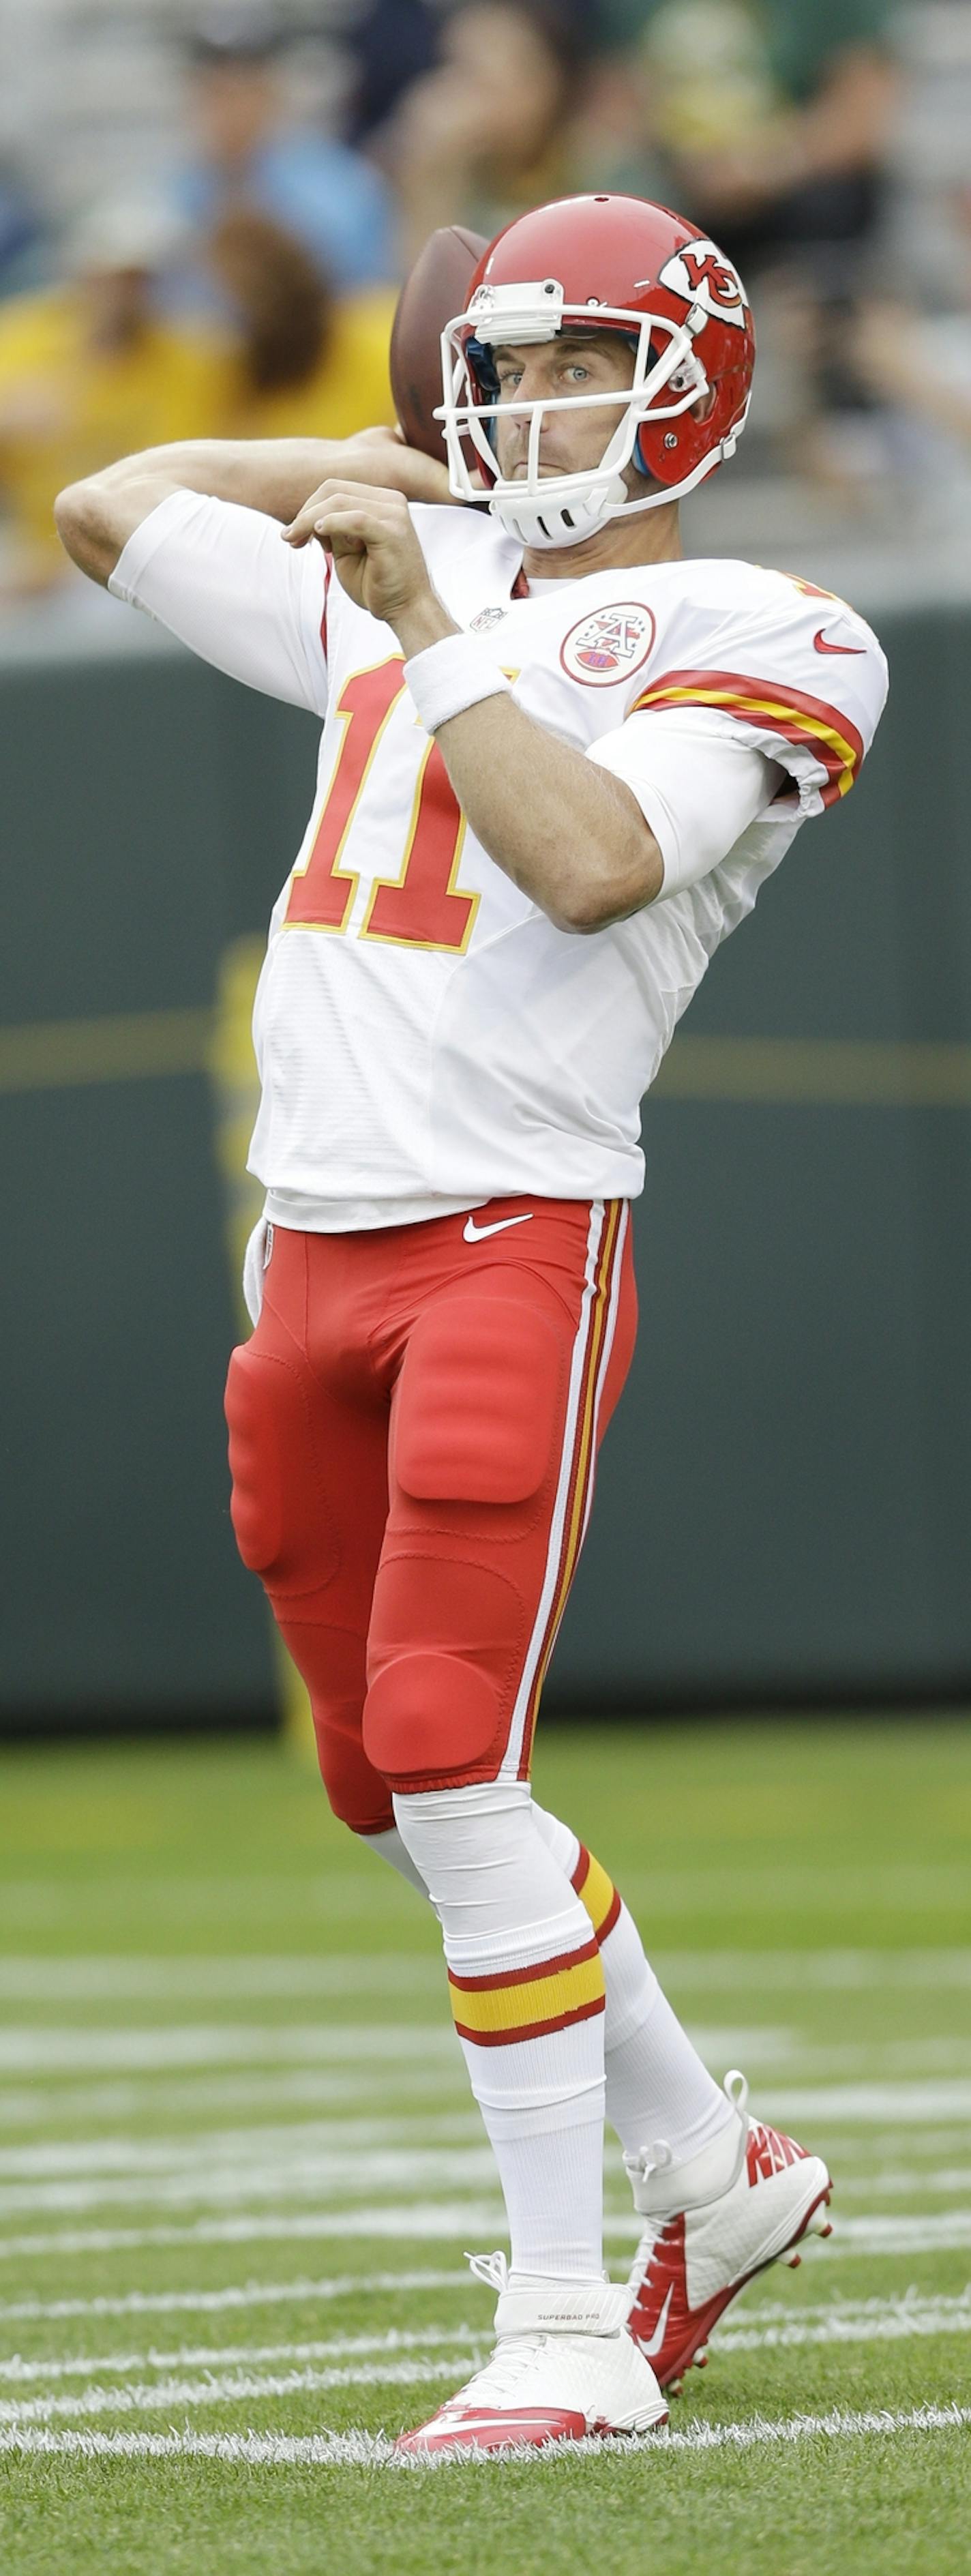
pixel 821 645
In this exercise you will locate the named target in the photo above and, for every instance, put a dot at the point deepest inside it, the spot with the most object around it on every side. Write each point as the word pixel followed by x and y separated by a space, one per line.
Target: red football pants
pixel 412 1435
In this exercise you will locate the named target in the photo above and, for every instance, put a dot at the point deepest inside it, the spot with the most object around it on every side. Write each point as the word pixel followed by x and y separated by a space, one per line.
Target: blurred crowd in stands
pixel 205 215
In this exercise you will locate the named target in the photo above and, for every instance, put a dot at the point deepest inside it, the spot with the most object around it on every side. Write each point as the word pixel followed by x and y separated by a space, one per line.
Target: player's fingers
pixel 386 510
pixel 340 519
pixel 377 497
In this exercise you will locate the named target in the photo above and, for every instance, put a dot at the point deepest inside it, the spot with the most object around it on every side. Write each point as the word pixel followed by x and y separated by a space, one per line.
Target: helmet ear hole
pixel 703 410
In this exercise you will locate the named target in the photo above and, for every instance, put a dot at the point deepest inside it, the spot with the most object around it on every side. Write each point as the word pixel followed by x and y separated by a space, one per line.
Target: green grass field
pixel 239 2166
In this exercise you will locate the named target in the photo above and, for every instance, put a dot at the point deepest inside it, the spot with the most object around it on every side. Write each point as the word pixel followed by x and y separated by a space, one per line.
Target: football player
pixel 557 763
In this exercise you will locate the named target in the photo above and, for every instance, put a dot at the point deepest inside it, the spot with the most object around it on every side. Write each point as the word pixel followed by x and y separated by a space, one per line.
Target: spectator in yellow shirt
pixel 309 365
pixel 89 371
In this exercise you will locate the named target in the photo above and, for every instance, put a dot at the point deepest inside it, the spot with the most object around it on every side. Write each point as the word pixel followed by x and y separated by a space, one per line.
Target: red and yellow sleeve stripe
pixel 772 707
pixel 597 1892
pixel 524 2003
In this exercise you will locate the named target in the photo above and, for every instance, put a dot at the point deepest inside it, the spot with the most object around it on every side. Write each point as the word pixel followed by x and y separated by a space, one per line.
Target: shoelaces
pixel 498 2383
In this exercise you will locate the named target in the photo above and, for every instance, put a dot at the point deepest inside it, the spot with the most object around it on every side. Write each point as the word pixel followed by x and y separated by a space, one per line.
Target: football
pixel 436 290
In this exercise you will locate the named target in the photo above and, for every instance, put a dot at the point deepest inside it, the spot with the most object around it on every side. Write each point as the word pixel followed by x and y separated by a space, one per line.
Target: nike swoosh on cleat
pixel 477 1233
pixel 821 645
pixel 657 2337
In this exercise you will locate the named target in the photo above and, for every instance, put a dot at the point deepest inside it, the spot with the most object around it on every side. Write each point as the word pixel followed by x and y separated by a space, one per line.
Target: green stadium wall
pixel 783 1504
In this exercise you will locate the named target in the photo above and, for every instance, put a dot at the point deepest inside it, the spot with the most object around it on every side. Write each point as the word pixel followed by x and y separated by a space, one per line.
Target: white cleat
pixel 693 2259
pixel 564 2367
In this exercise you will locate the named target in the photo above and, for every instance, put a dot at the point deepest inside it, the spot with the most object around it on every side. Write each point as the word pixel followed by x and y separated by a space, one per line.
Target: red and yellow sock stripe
pixel 525 2003
pixel 770 706
pixel 597 1892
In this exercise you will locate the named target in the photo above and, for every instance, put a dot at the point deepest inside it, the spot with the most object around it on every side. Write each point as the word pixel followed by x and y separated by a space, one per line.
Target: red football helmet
pixel 617 264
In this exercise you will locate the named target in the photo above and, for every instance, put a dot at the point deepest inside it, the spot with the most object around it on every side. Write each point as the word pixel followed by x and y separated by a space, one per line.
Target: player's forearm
pixel 269 474
pixel 570 835
pixel 96 517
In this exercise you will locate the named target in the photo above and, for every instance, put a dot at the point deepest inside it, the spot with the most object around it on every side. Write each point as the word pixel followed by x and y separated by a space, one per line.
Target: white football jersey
pixel 426 1039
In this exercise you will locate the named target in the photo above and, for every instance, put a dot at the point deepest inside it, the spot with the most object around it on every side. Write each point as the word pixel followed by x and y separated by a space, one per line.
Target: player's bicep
pixel 221 579
pixel 698 783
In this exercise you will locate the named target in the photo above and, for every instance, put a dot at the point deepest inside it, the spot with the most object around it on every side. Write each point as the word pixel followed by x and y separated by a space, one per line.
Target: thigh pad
pixel 284 1527
pixel 480 1399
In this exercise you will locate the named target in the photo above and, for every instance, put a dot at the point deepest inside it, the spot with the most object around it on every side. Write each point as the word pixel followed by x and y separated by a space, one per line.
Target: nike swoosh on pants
pixel 477 1233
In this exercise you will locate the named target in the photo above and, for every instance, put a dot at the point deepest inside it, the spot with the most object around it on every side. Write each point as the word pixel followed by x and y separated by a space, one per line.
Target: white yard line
pixel 60 2102
pixel 102 1977
pixel 349 2140
pixel 411 2220
pixel 148 1978
pixel 290 2180
pixel 283 2178
pixel 946 2231
pixel 247 2294
pixel 391 2343
pixel 818 1971
pixel 402 2048
pixel 46 2056
pixel 88 2051
pixel 871 2321
pixel 805 2103
pixel 899 2325
pixel 242 2387
pixel 280 2139
pixel 374 2450
pixel 907 2182
pixel 355 2285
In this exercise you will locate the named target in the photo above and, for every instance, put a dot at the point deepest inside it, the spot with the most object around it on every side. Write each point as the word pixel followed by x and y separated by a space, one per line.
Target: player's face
pixel 578 362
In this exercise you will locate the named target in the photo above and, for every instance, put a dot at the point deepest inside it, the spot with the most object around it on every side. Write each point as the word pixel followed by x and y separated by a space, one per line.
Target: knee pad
pixel 357 1796
pixel 430 1716
pixel 479 1401
pixel 279 1512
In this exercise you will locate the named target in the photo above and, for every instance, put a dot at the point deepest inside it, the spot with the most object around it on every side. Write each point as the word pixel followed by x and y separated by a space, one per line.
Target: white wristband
pixel 450 676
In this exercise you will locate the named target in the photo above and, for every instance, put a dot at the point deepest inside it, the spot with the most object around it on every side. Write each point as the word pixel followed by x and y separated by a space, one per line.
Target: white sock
pixel 657 2086
pixel 507 1908
pixel 391 1848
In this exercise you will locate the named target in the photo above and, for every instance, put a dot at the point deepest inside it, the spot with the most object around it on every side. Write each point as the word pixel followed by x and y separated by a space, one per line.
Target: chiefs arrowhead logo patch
pixel 609 645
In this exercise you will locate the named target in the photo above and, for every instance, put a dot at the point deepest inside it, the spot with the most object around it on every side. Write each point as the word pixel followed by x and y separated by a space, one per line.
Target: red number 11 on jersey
pixel 418 906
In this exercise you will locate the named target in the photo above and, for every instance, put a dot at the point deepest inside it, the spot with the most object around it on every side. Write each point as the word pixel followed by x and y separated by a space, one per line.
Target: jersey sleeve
pixel 221 579
pixel 793 673
pixel 698 783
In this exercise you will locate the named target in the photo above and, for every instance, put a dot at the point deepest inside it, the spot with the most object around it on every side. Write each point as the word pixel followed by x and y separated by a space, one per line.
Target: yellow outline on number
pixel 467 894
pixel 396 939
pixel 351 877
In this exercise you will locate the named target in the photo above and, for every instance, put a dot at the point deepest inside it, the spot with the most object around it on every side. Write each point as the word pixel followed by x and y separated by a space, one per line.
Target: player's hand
pixel 377 557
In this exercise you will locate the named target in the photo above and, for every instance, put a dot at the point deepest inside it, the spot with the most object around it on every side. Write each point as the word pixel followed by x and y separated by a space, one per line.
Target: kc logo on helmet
pixel 703 276
pixel 609 645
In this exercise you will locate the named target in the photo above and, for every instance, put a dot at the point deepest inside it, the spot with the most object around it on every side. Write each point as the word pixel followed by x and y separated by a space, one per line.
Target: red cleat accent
pixel 691 2266
pixel 471 2429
